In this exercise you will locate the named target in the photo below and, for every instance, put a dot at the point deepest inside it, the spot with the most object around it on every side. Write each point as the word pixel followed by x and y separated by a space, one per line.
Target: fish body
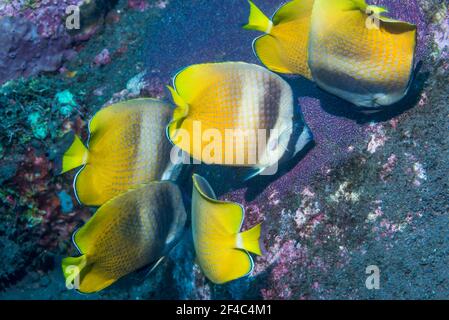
pixel 127 147
pixel 222 251
pixel 346 46
pixel 127 233
pixel 218 100
pixel 284 46
pixel 360 55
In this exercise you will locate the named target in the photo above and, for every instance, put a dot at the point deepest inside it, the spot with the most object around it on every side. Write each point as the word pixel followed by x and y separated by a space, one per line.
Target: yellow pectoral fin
pixel 258 20
pixel 76 156
pixel 250 240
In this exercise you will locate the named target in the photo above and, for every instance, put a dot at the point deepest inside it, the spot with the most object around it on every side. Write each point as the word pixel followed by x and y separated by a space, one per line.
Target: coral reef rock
pixel 25 53
pixel 92 15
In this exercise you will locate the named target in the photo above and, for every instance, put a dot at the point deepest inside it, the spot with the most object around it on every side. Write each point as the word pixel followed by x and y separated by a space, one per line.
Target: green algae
pixel 38 125
pixel 65 103
pixel 35 108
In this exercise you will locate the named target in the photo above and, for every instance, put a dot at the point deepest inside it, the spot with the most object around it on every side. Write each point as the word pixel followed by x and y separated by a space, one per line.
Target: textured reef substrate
pixel 372 191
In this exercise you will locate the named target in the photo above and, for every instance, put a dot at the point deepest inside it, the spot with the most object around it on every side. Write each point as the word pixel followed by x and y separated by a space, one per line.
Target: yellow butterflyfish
pixel 360 55
pixel 284 46
pixel 236 114
pixel 127 147
pixel 129 232
pixel 222 251
pixel 346 46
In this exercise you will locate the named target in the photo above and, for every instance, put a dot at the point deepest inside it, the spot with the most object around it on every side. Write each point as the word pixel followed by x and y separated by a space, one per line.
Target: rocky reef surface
pixel 373 189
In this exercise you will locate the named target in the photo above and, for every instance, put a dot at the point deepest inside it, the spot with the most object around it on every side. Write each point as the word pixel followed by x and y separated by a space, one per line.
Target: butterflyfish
pixel 358 54
pixel 222 250
pixel 127 147
pixel 236 114
pixel 129 232
pixel 347 47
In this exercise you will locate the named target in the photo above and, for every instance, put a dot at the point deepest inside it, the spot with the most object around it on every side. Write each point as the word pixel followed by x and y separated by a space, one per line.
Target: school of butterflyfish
pixel 347 47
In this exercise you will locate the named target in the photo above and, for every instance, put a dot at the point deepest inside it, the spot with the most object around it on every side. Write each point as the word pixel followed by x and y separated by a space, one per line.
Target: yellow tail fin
pixel 80 273
pixel 75 156
pixel 258 20
pixel 72 267
pixel 249 240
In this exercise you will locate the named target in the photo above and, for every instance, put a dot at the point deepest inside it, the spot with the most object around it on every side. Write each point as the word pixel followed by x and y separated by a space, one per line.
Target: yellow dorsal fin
pixel 75 156
pixel 258 20
pixel 293 10
pixel 249 240
pixel 227 215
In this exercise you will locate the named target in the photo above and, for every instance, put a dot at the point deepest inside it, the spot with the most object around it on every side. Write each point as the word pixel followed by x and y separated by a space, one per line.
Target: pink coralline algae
pixel 138 86
pixel 46 15
pixel 388 167
pixel 140 5
pixel 420 174
pixel 203 287
pixel 441 34
pixel 286 260
pixel 35 37
pixel 424 100
pixel 103 58
pixel 377 138
pixel 160 4
pixel 283 257
pixel 40 196
pixel 416 171
pixel 308 212
pixel 383 227
pixel 373 216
